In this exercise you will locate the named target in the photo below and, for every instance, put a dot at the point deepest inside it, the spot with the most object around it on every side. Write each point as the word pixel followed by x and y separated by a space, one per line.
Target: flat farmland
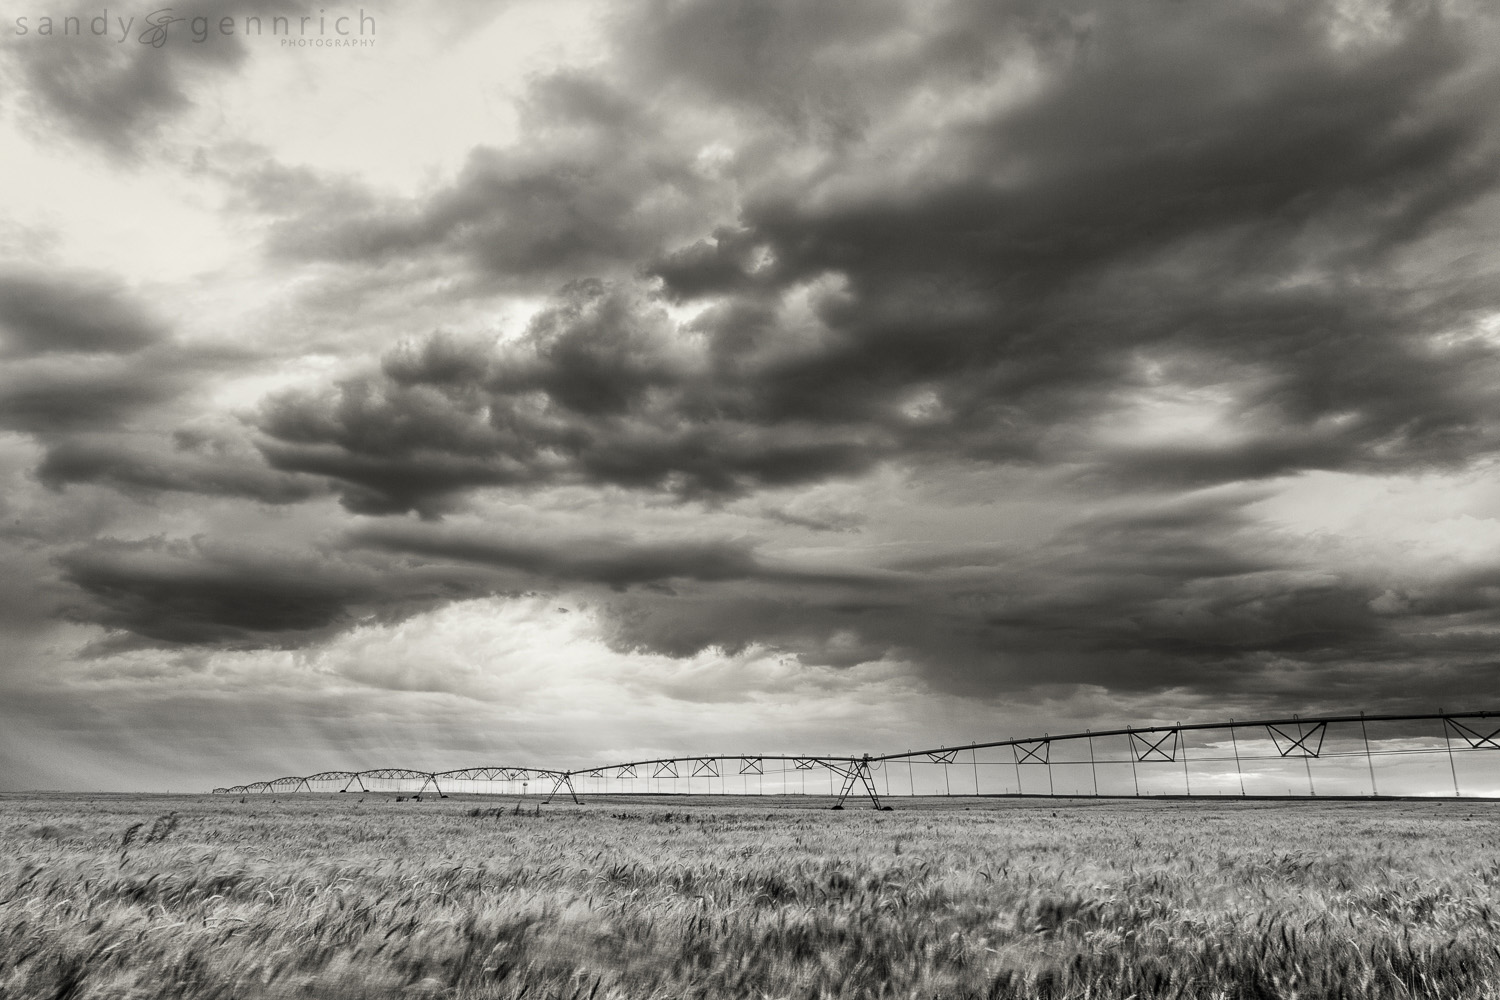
pixel 359 895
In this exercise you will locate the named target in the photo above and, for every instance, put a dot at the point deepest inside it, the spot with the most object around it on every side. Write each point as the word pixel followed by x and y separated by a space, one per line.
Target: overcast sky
pixel 558 382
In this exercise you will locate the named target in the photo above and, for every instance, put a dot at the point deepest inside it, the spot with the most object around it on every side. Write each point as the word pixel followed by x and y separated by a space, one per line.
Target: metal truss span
pixel 1442 755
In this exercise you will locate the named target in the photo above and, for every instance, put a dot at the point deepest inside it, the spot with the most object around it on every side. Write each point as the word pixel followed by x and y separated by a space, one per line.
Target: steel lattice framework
pixel 1345 756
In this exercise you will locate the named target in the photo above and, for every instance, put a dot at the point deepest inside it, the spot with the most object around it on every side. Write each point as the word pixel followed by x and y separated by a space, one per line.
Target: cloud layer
pixel 1028 349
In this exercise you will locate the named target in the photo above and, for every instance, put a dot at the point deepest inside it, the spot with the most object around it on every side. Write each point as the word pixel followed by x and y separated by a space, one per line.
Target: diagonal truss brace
pixel 1475 739
pixel 855 772
pixel 1148 749
pixel 564 780
pixel 1039 752
pixel 1308 744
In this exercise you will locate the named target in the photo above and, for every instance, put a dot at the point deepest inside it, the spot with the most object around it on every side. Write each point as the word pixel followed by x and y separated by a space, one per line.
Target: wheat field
pixel 361 895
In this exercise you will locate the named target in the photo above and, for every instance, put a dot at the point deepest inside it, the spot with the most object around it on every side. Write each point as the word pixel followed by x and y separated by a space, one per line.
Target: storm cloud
pixel 1132 228
pixel 1105 255
pixel 57 314
pixel 590 192
pixel 1069 353
pixel 180 594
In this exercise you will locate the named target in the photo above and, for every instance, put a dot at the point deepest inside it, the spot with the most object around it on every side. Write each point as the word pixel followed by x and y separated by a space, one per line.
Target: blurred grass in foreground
pixel 358 895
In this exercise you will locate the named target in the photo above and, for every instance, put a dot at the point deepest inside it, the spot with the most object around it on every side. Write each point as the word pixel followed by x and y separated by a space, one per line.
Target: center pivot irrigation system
pixel 1442 755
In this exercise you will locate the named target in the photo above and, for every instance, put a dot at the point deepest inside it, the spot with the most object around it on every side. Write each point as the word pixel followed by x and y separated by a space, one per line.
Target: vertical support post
pixel 947 785
pixel 1130 742
pixel 1051 789
pixel 1447 741
pixel 1369 759
pixel 869 780
pixel 1238 768
pixel 1016 762
pixel 1093 768
pixel 1306 761
pixel 1187 782
pixel 911 775
pixel 974 752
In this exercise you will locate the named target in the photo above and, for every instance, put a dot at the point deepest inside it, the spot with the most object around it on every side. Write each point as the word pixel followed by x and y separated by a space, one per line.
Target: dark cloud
pixel 615 561
pixel 237 594
pixel 1135 220
pixel 198 593
pixel 602 559
pixel 1181 596
pixel 598 391
pixel 115 86
pixel 182 593
pixel 195 466
pixel 594 188
pixel 788 62
pixel 71 314
pixel 61 394
pixel 84 354
pixel 1156 251
pixel 92 375
pixel 1147 204
pixel 1138 139
pixel 815 516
